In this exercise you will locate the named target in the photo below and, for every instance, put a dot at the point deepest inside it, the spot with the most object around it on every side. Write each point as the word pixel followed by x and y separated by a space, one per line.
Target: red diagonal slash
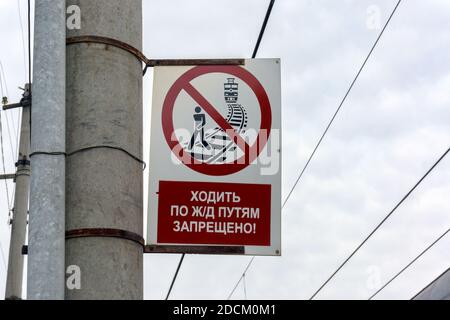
pixel 217 117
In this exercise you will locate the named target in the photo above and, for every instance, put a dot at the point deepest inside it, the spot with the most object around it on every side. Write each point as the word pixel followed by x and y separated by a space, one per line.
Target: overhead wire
pixel 6 183
pixel 244 282
pixel 410 264
pixel 30 71
pixel 2 150
pixel 344 99
pixel 255 53
pixel 3 256
pixel 3 80
pixel 23 40
pixel 175 276
pixel 333 118
pixel 26 66
pixel 242 276
pixel 408 194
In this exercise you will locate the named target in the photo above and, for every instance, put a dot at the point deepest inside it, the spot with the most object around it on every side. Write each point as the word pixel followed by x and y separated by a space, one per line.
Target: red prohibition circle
pixel 251 152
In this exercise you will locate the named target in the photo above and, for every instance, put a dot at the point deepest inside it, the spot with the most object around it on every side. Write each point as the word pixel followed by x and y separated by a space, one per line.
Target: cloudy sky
pixel 393 127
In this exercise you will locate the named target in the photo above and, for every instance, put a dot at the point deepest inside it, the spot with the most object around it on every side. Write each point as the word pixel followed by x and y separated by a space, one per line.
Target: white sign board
pixel 215 159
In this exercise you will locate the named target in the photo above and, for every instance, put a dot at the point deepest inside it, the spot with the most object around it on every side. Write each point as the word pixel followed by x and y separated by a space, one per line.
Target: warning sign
pixel 229 132
pixel 215 157
pixel 214 213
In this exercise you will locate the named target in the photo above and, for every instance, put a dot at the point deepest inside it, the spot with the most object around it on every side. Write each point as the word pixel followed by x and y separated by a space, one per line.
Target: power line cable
pixel 23 39
pixel 30 71
pixel 3 160
pixel 242 277
pixel 27 69
pixel 334 117
pixel 1 86
pixel 340 105
pixel 8 127
pixel 410 264
pixel 255 53
pixel 4 78
pixel 14 147
pixel 380 224
pixel 19 111
pixel 245 286
pixel 10 137
pixel 263 29
pixel 3 256
pixel 175 276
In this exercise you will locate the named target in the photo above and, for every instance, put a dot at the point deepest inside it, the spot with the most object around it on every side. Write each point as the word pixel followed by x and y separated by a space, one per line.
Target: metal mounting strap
pixel 105 233
pixel 195 62
pixel 211 250
pixel 109 41
pixel 152 62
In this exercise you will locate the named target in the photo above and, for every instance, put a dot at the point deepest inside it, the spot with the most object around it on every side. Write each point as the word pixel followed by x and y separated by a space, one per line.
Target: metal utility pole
pixel 19 221
pixel 104 185
pixel 46 240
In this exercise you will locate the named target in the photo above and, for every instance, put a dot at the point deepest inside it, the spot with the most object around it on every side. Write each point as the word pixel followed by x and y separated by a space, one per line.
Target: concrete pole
pixel 46 274
pixel 104 183
pixel 19 223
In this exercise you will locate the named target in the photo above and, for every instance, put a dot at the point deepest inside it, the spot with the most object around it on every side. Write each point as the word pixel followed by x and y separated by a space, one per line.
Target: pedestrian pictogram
pixel 225 147
pixel 216 158
pixel 199 132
